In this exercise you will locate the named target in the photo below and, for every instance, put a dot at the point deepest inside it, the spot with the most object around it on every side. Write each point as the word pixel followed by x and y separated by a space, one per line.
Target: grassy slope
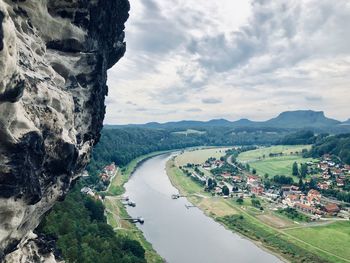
pixel 274 165
pixel 334 238
pixel 115 210
pixel 289 244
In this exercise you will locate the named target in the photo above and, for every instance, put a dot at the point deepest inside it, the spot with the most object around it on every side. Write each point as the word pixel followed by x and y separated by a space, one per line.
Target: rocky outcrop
pixel 54 56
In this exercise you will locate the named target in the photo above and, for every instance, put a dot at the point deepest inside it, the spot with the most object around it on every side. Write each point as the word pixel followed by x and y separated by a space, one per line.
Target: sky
pixel 206 59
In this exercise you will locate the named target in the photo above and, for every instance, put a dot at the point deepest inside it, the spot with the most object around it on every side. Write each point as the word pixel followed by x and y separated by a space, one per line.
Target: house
pixel 314 194
pixel 85 174
pixel 272 194
pixel 305 208
pixel 110 169
pixel 291 200
pixel 326 176
pixel 207 166
pixel 252 179
pixel 332 209
pixel 104 177
pixel 326 157
pixel 258 190
pixel 87 191
pixel 340 182
pixel 237 179
pixel 337 172
pixel 226 175
pixel 323 186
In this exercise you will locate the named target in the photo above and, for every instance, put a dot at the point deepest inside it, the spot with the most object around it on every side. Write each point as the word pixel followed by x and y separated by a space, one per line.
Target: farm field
pixel 281 165
pixel 334 238
pixel 190 131
pixel 259 153
pixel 199 156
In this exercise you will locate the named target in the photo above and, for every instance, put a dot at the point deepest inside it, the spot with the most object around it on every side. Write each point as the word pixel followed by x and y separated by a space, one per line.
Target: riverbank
pixel 242 219
pixel 115 210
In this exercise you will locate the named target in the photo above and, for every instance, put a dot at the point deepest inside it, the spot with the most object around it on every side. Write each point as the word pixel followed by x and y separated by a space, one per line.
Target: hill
pixel 346 122
pixel 301 119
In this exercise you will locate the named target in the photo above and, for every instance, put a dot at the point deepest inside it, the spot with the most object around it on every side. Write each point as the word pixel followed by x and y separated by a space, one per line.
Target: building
pixel 332 209
pixel 258 190
pixel 323 186
pixel 340 182
pixel 237 179
pixel 87 191
pixel 306 208
pixel 313 197
pixel 226 175
pixel 272 194
pixel 252 179
pixel 291 200
pixel 110 169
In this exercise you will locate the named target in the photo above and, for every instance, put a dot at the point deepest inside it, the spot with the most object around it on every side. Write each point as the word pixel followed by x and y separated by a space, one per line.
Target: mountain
pixel 345 122
pixel 243 123
pixel 300 119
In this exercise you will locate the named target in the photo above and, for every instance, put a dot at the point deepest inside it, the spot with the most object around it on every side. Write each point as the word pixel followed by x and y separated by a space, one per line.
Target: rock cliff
pixel 54 57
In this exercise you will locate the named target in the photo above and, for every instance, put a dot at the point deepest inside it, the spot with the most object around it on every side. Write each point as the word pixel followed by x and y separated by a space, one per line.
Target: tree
pixel 256 203
pixel 240 201
pixel 211 184
pixel 303 170
pixel 267 184
pixel 301 184
pixel 254 171
pixel 313 183
pixel 225 190
pixel 247 167
pixel 295 170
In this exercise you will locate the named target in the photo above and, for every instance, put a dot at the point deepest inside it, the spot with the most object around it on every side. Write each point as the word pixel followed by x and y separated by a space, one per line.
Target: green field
pixel 259 159
pixel 190 131
pixel 254 155
pixel 334 238
pixel 199 156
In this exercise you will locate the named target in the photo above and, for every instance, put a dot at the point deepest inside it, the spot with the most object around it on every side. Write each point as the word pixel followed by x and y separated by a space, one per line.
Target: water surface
pixel 182 235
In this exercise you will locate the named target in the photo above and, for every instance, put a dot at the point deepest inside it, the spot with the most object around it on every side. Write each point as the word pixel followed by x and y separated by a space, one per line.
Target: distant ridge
pixel 300 119
pixel 346 122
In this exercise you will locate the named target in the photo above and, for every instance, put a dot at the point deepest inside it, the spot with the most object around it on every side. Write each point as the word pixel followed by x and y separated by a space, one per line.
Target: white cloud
pixel 254 59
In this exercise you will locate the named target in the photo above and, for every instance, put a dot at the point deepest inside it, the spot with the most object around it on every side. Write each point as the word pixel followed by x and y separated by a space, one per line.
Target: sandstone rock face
pixel 54 56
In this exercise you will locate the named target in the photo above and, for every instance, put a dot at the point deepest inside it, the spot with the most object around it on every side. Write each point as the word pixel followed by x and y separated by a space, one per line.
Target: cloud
pixel 194 110
pixel 314 98
pixel 211 100
pixel 261 56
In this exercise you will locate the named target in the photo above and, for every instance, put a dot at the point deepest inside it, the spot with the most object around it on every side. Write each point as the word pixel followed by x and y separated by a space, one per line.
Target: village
pixel 103 181
pixel 229 178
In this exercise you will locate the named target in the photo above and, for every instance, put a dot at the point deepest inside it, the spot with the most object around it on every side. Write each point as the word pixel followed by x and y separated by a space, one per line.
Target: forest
pixel 121 145
pixel 83 236
pixel 338 145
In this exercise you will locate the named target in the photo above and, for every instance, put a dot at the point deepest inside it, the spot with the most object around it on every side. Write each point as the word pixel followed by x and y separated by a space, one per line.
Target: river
pixel 179 234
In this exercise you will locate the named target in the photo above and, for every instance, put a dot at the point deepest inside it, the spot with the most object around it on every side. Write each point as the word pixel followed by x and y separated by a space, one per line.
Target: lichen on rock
pixel 54 57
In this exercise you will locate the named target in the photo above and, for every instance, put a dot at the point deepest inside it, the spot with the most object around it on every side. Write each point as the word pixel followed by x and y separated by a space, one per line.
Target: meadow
pixel 199 156
pixel 333 238
pixel 281 165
